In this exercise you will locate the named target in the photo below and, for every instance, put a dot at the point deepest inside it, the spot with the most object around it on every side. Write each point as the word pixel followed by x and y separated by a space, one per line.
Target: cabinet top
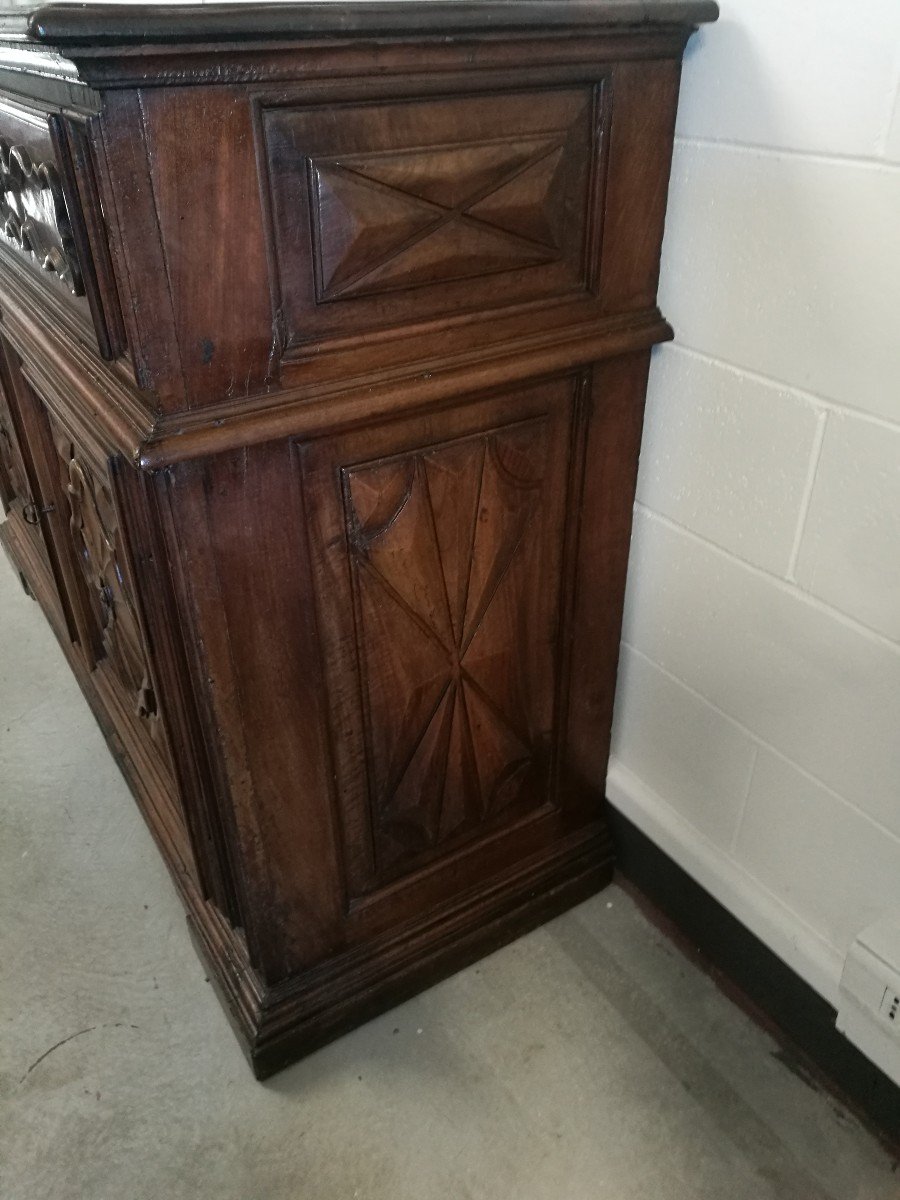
pixel 104 24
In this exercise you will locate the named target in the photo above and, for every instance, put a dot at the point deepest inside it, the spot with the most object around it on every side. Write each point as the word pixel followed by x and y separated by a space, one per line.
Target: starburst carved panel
pixel 443 544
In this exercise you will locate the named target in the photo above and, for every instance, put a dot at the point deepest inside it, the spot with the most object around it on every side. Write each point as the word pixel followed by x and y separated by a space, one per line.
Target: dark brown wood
pixel 464 222
pixel 71 141
pixel 92 24
pixel 325 481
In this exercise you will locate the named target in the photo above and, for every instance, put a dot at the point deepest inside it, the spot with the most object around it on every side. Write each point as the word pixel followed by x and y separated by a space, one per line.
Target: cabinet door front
pixel 15 491
pixel 439 552
pixel 106 595
pixel 28 497
pixel 19 484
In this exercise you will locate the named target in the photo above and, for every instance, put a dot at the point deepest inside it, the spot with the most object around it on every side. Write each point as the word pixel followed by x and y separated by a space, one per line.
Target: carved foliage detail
pixel 95 532
pixel 11 466
pixel 395 220
pixel 443 544
pixel 34 216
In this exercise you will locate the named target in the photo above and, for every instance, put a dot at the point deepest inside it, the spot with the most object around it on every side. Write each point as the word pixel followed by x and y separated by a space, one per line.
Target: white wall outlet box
pixel 869 996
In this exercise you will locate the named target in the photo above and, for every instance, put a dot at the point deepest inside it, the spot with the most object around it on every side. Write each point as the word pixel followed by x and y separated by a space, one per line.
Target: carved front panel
pixel 34 218
pixel 450 551
pixel 13 480
pixel 390 214
pixel 96 538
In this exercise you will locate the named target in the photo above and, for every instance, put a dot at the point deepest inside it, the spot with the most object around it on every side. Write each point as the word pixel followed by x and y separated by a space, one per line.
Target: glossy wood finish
pixel 68 25
pixel 318 443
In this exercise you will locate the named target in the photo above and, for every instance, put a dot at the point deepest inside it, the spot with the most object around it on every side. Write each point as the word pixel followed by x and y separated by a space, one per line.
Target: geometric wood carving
pixel 445 553
pixel 394 220
pixel 388 214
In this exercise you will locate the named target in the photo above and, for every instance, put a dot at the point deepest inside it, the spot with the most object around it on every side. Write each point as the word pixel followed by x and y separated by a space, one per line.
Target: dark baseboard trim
pixel 756 979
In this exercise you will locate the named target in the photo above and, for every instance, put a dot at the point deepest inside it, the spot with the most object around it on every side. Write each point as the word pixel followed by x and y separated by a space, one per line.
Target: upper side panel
pixel 407 208
pixel 386 216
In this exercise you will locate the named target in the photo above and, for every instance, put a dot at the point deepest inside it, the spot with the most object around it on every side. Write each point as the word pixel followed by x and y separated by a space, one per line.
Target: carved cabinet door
pixel 27 491
pixel 106 597
pixel 15 489
pixel 439 550
pixel 74 506
pixel 19 483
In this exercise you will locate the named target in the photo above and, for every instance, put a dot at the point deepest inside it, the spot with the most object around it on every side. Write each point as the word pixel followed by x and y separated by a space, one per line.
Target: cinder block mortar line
pixel 815 456
pixel 892 107
pixel 761 744
pixel 713 849
pixel 869 162
pixel 742 808
pixel 782 584
pixel 811 398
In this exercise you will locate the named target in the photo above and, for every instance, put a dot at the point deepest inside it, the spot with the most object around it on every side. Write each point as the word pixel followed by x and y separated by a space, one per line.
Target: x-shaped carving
pixel 375 210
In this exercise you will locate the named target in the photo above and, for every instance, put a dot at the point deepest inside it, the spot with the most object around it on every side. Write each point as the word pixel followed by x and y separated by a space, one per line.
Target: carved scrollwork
pixel 94 529
pixel 9 461
pixel 34 216
pixel 13 480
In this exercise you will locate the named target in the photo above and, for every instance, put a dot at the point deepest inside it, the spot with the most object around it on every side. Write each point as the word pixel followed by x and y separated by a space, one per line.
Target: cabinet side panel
pixel 437 546
pixel 252 620
pixel 613 444
pixel 644 99
pixel 442 552
pixel 137 252
pixel 388 215
pixel 201 154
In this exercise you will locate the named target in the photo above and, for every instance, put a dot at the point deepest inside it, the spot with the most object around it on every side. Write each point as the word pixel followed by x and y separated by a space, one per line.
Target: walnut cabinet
pixel 324 337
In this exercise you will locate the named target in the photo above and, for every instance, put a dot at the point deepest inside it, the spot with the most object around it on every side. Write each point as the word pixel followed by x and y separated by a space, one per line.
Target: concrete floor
pixel 590 1059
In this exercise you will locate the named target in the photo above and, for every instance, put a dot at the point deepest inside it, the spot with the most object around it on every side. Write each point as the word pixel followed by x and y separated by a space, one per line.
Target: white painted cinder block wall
pixel 757 734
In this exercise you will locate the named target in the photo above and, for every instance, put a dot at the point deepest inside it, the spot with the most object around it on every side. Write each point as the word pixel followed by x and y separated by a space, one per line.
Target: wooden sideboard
pixel 324 337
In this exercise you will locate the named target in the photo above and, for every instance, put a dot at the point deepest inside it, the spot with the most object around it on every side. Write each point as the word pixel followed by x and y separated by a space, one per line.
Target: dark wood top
pixel 64 25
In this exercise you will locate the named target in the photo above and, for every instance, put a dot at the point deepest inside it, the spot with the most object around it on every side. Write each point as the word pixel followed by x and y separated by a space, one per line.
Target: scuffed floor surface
pixel 587 1060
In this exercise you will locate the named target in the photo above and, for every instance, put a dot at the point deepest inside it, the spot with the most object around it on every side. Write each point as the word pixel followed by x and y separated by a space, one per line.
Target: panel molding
pixel 425 555
pixel 445 222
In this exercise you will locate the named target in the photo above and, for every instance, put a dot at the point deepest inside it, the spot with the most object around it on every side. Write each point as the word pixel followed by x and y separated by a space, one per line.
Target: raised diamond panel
pixel 388 221
pixel 387 215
